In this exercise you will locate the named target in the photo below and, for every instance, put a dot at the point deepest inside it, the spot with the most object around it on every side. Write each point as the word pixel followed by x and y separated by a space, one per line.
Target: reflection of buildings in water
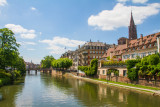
pixel 81 82
pixel 102 91
pixel 112 92
pixel 121 97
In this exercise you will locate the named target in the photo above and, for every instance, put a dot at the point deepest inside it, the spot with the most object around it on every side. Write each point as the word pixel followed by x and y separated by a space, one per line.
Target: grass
pixel 132 85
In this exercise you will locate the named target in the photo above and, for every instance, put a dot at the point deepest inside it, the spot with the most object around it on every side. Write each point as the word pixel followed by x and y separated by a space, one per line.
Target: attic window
pixel 149 41
pixel 152 35
pixel 155 44
pixel 137 43
pixel 150 45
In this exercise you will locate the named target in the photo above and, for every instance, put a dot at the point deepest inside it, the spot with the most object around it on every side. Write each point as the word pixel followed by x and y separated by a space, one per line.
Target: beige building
pixel 85 53
pixel 91 50
pixel 130 48
pixel 141 47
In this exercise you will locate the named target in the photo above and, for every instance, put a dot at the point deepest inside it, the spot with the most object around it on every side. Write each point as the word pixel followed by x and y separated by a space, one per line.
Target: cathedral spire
pixel 132 29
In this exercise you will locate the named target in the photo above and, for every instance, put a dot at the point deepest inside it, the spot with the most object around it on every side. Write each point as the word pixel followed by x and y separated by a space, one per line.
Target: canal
pixel 42 90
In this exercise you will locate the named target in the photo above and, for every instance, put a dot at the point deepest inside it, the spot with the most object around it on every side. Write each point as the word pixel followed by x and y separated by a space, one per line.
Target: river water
pixel 44 90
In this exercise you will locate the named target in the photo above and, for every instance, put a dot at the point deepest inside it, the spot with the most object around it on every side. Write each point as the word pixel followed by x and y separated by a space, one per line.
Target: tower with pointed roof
pixel 132 29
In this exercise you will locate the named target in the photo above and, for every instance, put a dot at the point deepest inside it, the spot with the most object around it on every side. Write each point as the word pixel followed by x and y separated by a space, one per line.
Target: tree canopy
pixel 9 54
pixel 46 61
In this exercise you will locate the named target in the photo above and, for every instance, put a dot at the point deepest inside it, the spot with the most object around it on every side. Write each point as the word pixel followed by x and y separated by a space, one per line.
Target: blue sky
pixel 46 27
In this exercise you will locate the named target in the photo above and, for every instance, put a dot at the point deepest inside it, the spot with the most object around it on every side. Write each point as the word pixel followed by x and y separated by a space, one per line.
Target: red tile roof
pixel 146 40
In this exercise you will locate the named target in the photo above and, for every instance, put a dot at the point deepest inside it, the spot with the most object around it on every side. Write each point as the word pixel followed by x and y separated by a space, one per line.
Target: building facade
pixel 91 50
pixel 85 53
pixel 130 48
pixel 141 47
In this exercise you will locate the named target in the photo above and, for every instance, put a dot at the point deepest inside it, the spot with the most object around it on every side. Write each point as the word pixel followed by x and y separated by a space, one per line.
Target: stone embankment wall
pixel 141 81
pixel 53 72
pixel 115 79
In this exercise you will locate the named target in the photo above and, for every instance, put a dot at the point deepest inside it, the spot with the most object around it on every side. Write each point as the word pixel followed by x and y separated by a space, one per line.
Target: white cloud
pixel 24 33
pixel 134 1
pixel 3 2
pixel 120 16
pixel 33 8
pixel 27 43
pixel 58 44
pixel 139 1
pixel 28 36
pixel 122 0
pixel 30 49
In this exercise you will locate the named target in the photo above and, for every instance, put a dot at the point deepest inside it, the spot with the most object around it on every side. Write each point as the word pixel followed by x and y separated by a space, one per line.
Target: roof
pixel 94 44
pixel 144 40
pixel 117 50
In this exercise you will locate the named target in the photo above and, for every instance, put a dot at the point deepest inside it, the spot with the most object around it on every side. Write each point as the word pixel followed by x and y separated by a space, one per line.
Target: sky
pixel 46 27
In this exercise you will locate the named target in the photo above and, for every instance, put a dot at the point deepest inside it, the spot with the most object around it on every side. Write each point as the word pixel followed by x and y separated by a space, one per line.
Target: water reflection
pixel 49 90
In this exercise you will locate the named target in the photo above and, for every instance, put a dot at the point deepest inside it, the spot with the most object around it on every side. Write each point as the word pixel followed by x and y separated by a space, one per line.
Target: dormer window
pixel 133 49
pixel 152 35
pixel 149 41
pixel 150 45
pixel 155 44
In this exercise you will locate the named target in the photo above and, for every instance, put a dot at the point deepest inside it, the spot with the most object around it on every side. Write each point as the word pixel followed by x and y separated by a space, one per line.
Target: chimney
pixel 78 46
pixel 90 40
pixel 127 42
pixel 114 46
pixel 141 37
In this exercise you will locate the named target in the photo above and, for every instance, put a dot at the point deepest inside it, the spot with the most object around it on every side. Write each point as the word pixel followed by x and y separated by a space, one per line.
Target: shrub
pixel 17 73
pixel 132 74
pixel 92 69
pixel 113 63
pixel 83 68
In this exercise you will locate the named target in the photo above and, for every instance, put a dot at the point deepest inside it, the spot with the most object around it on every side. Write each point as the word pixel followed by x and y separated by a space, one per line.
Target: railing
pixel 114 66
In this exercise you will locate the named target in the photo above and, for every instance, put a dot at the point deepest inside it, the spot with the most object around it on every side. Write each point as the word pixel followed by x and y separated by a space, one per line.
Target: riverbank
pixel 8 78
pixel 141 89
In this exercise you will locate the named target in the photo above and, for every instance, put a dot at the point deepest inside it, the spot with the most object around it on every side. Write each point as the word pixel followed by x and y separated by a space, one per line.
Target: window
pixel 103 72
pixel 155 44
pixel 155 52
pixel 143 55
pixel 124 73
pixel 93 51
pixel 149 53
pixel 150 45
pixel 90 52
pixel 133 55
pixel 102 52
pixel 144 46
pixel 133 49
pixel 96 52
pixel 93 56
pixel 96 56
pixel 98 72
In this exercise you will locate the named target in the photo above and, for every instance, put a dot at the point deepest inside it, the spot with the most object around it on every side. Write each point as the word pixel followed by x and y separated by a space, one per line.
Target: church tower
pixel 132 29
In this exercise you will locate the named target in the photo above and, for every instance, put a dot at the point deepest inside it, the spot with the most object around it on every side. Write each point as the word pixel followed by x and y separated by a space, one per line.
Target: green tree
pixel 62 63
pixel 8 48
pixel 46 61
pixel 92 70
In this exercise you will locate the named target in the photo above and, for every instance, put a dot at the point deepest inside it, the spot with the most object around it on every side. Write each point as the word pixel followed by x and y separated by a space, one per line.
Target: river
pixel 44 90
